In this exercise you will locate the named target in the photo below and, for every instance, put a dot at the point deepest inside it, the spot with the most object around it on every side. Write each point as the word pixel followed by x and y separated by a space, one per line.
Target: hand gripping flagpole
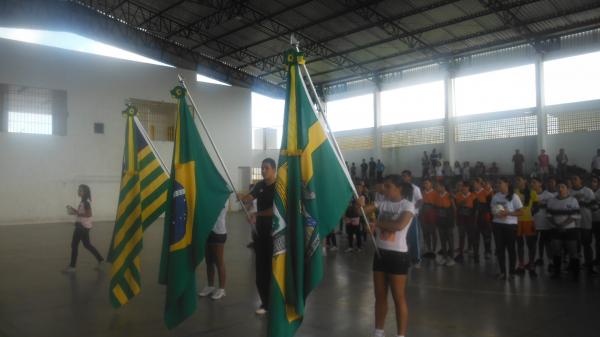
pixel 295 43
pixel 181 80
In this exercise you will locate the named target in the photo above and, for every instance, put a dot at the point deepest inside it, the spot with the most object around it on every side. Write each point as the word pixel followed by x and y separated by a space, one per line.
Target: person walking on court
pixel 83 225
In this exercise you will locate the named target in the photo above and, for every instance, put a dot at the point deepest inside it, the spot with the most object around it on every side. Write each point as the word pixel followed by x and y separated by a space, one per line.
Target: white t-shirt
pixel 511 206
pixel 220 227
pixel 585 197
pixel 85 221
pixel 540 218
pixel 560 210
pixel 391 210
pixel 416 197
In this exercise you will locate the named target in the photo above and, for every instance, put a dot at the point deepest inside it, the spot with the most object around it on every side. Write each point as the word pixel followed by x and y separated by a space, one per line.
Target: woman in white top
pixel 215 249
pixel 391 265
pixel 506 207
pixel 540 220
pixel 564 213
pixel 83 224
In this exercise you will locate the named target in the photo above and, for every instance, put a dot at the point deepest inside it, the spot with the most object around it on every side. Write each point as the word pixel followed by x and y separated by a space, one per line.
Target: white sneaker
pixel 218 294
pixel 450 262
pixel 440 260
pixel 206 291
pixel 333 249
pixel 68 270
pixel 101 265
pixel 417 265
pixel 261 311
pixel 349 250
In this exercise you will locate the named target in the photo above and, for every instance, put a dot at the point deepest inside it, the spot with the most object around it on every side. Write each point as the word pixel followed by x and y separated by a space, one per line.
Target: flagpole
pixel 145 135
pixel 182 81
pixel 295 42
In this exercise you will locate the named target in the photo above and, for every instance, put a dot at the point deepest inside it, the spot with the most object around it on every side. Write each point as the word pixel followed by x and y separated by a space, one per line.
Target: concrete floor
pixel 37 300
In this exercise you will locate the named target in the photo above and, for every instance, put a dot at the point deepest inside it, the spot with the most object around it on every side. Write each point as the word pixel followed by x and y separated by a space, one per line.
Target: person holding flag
pixel 391 265
pixel 196 196
pixel 312 190
pixel 263 192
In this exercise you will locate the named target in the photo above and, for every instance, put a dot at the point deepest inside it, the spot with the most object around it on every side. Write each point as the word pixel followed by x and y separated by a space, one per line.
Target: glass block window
pixel 566 122
pixel 24 122
pixel 362 142
pixel 520 126
pixel 410 137
pixel 256 175
pixel 29 109
pixel 158 118
pixel 351 113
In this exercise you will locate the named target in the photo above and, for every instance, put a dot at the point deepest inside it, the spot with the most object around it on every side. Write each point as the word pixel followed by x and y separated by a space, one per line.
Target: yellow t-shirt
pixel 527 216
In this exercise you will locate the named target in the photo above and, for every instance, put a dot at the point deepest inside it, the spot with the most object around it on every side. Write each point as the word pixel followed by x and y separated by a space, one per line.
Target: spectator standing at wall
pixel 457 171
pixel 447 170
pixel 379 168
pixel 353 171
pixel 425 162
pixel 543 164
pixel 494 170
pixel 466 171
pixel 518 161
pixel 596 164
pixel 363 169
pixel 372 168
pixel 561 163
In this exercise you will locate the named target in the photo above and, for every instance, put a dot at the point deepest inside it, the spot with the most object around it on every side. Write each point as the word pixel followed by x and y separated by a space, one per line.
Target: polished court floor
pixel 37 300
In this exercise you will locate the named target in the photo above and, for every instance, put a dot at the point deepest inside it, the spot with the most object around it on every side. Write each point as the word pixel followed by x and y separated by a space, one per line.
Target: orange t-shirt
pixel 430 197
pixel 443 201
pixel 482 195
pixel 467 200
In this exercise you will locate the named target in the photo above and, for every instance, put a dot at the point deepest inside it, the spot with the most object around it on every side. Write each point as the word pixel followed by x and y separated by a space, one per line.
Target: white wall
pixel 39 174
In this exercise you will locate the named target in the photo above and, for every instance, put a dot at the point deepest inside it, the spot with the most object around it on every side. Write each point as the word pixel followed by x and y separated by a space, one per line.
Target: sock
pixel 379 333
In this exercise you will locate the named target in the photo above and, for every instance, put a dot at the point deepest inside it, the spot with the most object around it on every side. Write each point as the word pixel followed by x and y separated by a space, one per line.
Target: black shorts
pixel 214 238
pixel 571 234
pixel 391 262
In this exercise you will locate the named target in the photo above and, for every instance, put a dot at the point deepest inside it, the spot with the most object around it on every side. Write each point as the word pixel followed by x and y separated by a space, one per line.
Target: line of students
pixel 520 217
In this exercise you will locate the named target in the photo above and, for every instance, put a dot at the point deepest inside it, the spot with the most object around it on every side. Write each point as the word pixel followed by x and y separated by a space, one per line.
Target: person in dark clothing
pixel 372 169
pixel 263 192
pixel 363 169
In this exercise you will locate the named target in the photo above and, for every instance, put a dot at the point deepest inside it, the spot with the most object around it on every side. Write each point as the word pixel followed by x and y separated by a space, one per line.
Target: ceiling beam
pixel 79 18
pixel 509 18
pixel 541 37
pixel 432 27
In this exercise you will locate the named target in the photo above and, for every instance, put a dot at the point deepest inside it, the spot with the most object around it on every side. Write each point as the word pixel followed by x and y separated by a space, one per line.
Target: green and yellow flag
pixel 312 192
pixel 196 197
pixel 142 199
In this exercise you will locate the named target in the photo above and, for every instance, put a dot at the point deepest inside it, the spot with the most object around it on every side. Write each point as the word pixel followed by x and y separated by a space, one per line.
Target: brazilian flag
pixel 312 192
pixel 142 199
pixel 197 194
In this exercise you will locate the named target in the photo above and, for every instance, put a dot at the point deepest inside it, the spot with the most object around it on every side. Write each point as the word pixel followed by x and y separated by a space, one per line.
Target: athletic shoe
pixel 333 249
pixel 206 291
pixel 417 265
pixel 68 270
pixel 533 273
pixel 450 262
pixel 358 250
pixel 218 294
pixel 349 250
pixel 260 311
pixel 459 258
pixel 440 260
pixel 520 271
pixel 100 266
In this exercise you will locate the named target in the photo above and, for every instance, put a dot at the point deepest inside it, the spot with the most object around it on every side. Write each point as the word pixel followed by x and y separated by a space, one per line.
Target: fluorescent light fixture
pixel 70 41
pixel 206 79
